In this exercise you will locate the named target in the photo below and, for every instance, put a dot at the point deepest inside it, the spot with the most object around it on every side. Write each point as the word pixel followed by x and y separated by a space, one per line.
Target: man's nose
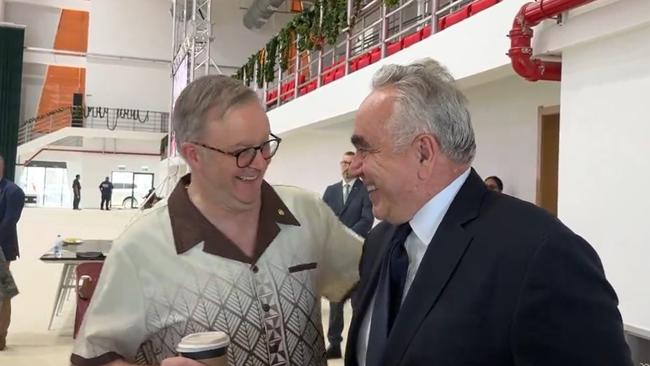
pixel 356 167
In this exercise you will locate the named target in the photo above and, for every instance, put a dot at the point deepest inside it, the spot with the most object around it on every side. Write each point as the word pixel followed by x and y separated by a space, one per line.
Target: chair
pixel 375 55
pixel 339 72
pixel 393 47
pixel 442 23
pixel 360 62
pixel 457 16
pixel 412 39
pixel 311 86
pixel 87 277
pixel 425 31
pixel 481 5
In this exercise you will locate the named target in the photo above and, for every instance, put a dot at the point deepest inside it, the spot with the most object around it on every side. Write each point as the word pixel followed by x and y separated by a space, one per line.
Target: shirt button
pixel 266 307
pixel 255 269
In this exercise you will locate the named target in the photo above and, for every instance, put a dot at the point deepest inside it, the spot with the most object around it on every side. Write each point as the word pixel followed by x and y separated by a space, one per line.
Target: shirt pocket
pixel 303 267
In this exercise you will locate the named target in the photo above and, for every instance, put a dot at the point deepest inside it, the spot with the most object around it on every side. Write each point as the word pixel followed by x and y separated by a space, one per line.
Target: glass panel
pixel 122 189
pixel 53 194
pixel 35 183
pixel 142 184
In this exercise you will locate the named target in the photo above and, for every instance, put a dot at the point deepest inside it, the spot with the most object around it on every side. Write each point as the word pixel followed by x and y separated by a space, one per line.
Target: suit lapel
pixel 437 267
pixel 367 292
pixel 338 198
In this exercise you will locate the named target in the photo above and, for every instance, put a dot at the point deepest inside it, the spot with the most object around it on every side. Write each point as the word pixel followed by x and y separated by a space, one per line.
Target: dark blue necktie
pixel 388 296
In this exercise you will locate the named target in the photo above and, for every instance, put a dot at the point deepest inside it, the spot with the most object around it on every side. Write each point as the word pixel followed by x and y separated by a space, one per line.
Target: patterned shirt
pixel 172 273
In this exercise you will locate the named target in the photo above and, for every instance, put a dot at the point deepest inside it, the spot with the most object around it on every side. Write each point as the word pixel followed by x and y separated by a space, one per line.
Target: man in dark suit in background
pixel 349 201
pixel 12 200
pixel 456 274
pixel 76 190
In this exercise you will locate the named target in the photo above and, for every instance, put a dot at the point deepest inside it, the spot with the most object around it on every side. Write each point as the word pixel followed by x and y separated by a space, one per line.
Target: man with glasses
pixel 350 202
pixel 225 252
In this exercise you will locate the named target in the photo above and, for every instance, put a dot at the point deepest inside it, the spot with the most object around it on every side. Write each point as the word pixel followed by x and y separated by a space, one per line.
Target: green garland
pixel 391 2
pixel 356 11
pixel 259 69
pixel 239 75
pixel 250 69
pixel 271 56
pixel 284 45
pixel 310 30
pixel 334 19
pixel 303 25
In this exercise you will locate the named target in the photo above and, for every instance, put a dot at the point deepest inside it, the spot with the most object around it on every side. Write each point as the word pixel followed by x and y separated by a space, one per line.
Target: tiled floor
pixel 29 341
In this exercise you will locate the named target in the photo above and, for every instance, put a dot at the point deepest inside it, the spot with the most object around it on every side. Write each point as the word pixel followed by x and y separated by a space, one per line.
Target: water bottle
pixel 58 246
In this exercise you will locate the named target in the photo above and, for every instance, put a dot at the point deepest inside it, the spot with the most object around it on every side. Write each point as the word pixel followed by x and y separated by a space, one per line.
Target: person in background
pixel 226 251
pixel 12 200
pixel 76 191
pixel 456 274
pixel 493 183
pixel 349 201
pixel 106 189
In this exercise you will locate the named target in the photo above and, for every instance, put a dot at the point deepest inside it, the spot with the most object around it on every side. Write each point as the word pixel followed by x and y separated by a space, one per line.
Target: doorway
pixel 130 188
pixel 548 158
pixel 46 182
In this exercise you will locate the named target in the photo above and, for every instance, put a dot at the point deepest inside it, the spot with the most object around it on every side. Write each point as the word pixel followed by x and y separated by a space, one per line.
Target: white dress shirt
pixel 424 224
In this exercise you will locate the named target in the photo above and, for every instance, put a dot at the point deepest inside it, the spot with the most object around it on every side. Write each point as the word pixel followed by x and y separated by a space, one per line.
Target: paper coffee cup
pixel 209 348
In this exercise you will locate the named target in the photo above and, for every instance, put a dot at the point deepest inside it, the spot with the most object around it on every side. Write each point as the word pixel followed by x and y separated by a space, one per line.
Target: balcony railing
pixel 379 31
pixel 93 117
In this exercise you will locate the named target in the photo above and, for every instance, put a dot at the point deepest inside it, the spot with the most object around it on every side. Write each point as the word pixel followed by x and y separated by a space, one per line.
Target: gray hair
pixel 212 92
pixel 428 101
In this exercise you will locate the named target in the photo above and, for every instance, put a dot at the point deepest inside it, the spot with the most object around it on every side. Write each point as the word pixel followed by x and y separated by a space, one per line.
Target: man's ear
pixel 190 153
pixel 427 149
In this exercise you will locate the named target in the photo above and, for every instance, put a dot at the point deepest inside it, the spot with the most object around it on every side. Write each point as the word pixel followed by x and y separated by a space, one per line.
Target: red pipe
pixel 521 51
pixel 87 152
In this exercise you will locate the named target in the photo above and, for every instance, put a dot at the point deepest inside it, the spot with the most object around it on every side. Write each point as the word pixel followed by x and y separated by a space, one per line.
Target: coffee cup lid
pixel 205 341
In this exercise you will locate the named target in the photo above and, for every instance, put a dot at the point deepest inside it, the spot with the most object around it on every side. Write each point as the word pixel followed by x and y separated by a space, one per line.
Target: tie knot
pixel 402 233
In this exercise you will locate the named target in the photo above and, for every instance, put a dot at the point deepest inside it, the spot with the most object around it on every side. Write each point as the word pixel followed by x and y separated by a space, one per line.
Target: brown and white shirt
pixel 172 273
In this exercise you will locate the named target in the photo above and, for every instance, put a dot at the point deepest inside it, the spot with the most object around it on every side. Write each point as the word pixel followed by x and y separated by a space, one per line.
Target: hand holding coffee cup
pixel 209 348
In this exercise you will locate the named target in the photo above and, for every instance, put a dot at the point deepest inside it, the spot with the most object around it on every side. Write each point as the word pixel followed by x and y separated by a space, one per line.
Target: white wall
pixel 31 89
pixel 122 145
pixel 140 29
pixel 128 84
pixel 41 22
pixel 604 165
pixel 234 43
pixel 310 158
pixel 504 116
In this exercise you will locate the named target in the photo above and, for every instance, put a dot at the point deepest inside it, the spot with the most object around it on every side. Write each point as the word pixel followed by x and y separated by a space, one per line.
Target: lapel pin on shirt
pixel 280 212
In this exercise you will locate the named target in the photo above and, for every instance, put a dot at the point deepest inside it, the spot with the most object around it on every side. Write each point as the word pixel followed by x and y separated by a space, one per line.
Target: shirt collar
pixel 351 183
pixel 428 218
pixel 190 227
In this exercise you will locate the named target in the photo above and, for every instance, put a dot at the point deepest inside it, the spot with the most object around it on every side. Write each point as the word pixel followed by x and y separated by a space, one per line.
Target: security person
pixel 106 187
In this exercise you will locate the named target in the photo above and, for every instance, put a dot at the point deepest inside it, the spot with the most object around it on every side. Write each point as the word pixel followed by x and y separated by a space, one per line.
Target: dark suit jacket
pixel 502 283
pixel 356 213
pixel 12 200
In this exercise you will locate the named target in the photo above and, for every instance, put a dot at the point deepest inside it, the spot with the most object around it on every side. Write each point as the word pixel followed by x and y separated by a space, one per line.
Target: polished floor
pixel 29 342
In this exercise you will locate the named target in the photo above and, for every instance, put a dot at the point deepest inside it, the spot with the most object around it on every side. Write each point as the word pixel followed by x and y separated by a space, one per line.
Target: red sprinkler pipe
pixel 521 51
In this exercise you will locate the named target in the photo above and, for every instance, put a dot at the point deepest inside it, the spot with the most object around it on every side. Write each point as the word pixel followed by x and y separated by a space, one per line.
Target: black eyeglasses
pixel 246 156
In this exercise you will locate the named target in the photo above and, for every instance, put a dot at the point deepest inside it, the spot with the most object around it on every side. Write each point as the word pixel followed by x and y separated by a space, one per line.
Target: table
pixel 69 259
